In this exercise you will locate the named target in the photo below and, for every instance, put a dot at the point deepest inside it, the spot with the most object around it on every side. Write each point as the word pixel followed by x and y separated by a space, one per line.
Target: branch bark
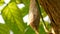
pixel 52 8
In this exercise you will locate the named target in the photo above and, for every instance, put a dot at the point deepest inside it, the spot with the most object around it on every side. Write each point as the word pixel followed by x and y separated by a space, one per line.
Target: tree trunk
pixel 52 8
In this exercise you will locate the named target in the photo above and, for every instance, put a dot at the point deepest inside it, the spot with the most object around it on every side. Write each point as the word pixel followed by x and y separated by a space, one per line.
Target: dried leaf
pixel 34 16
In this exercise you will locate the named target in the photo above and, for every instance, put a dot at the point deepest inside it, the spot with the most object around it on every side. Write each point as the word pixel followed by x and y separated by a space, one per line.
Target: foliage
pixel 13 17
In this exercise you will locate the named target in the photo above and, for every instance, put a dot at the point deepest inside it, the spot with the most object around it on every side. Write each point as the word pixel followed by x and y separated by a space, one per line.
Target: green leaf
pixel 1 2
pixel 29 30
pixel 25 10
pixel 41 29
pixel 18 1
pixel 13 18
pixel 4 29
pixel 44 14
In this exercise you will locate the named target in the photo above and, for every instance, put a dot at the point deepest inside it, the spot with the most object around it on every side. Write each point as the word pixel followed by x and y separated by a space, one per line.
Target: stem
pixel 41 15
